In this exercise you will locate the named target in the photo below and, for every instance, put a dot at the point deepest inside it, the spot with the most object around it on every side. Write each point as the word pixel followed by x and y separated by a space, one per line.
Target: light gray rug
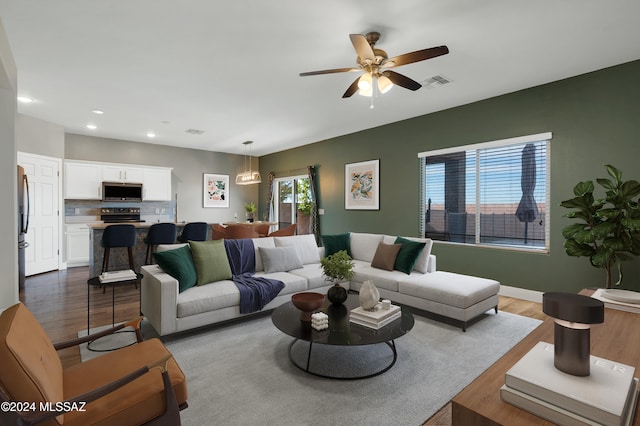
pixel 240 374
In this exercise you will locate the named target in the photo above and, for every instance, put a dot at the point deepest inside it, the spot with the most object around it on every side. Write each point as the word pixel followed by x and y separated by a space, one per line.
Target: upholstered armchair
pixel 135 385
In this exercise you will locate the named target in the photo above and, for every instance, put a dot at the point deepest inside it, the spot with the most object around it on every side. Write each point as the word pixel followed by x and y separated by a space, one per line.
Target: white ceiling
pixel 231 68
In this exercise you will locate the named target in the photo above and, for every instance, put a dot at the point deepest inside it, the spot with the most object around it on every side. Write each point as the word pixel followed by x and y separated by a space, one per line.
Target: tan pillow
pixel 385 256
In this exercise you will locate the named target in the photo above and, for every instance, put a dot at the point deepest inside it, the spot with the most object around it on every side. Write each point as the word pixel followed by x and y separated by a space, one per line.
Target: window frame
pixel 539 137
pixel 294 196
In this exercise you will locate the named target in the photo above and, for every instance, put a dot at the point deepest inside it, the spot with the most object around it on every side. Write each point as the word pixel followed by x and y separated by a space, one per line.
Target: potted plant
pixel 608 229
pixel 251 210
pixel 337 268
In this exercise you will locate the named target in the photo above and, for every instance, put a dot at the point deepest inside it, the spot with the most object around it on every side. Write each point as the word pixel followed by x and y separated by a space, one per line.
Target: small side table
pixel 95 282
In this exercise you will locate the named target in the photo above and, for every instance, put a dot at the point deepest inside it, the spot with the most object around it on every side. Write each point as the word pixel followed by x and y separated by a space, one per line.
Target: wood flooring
pixel 58 300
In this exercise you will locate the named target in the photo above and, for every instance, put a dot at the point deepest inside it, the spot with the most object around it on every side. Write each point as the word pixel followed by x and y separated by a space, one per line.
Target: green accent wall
pixel 594 119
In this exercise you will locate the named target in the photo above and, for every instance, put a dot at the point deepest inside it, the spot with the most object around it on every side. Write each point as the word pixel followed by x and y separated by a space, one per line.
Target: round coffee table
pixel 341 332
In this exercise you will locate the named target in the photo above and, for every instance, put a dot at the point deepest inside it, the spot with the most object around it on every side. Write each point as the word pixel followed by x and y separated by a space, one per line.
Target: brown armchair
pixel 135 385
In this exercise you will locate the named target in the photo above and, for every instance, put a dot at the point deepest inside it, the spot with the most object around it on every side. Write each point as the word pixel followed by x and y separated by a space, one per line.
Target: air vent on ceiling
pixel 195 131
pixel 436 81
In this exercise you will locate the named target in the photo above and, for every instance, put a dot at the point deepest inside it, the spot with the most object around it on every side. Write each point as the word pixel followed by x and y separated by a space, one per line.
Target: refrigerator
pixel 23 222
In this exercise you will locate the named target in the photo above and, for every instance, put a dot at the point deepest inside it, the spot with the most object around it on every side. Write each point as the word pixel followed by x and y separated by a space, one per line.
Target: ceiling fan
pixel 376 66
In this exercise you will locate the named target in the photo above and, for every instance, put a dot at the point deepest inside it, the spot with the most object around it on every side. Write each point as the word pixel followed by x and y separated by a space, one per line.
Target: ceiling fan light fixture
pixel 365 82
pixel 368 92
pixel 248 177
pixel 384 84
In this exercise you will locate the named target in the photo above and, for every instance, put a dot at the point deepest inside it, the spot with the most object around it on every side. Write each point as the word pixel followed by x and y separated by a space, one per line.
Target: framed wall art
pixel 362 185
pixel 216 190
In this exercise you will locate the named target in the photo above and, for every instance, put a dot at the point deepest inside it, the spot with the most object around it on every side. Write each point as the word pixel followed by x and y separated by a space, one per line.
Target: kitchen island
pixel 119 259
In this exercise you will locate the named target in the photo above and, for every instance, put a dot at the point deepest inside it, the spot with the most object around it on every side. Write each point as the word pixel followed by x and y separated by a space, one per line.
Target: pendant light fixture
pixel 248 177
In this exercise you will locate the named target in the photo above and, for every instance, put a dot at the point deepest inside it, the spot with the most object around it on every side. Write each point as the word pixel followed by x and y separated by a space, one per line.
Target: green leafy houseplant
pixel 608 229
pixel 250 207
pixel 338 267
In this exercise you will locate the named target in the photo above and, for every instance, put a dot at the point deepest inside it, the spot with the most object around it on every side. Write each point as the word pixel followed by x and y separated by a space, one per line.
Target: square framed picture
pixel 216 190
pixel 362 185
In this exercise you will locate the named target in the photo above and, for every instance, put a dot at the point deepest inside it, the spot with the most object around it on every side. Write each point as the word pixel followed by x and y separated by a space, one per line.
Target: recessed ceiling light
pixel 92 126
pixel 151 135
pixel 25 100
pixel 97 111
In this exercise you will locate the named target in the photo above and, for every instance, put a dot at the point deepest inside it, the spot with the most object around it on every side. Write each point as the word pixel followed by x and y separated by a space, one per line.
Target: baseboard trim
pixel 521 293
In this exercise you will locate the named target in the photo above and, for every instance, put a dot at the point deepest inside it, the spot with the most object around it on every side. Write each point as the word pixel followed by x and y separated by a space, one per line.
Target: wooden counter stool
pixel 159 233
pixel 194 231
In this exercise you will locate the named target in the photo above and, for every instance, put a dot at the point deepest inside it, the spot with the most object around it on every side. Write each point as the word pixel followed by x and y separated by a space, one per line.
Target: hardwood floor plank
pixel 58 300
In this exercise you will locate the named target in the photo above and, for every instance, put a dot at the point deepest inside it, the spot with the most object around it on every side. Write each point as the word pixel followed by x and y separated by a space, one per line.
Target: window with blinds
pixel 493 193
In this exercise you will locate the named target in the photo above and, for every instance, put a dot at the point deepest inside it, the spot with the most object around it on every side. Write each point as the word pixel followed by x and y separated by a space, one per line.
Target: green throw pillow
pixel 334 243
pixel 407 255
pixel 211 261
pixel 179 264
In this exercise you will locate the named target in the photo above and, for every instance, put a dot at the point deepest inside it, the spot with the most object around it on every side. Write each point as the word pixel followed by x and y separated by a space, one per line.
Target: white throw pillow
pixel 305 246
pixel 364 246
pixel 280 259
pixel 167 247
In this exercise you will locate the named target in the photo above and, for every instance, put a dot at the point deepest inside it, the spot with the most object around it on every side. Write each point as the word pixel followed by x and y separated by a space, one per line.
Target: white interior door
pixel 43 236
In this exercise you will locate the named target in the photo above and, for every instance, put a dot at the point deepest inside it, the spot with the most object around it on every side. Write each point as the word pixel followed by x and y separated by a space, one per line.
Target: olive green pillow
pixel 407 255
pixel 210 258
pixel 335 243
pixel 179 264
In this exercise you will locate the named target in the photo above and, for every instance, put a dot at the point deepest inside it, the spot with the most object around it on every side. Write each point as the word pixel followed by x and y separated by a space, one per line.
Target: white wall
pixel 40 137
pixel 8 177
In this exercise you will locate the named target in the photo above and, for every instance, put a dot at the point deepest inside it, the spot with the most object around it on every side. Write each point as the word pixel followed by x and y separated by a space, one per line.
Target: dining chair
pixel 284 232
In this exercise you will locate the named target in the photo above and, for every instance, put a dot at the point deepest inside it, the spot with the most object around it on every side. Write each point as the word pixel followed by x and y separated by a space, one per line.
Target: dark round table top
pixel 95 281
pixel 341 331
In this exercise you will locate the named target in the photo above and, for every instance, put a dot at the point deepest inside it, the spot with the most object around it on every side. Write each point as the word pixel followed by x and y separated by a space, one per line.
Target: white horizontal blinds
pixel 506 174
pixel 449 184
pixel 489 193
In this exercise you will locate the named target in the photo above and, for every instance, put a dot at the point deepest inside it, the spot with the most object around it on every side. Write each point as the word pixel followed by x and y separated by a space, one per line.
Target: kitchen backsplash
pixel 87 211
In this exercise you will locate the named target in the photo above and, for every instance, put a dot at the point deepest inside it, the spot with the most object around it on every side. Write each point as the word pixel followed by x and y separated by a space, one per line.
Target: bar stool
pixel 115 236
pixel 194 231
pixel 159 233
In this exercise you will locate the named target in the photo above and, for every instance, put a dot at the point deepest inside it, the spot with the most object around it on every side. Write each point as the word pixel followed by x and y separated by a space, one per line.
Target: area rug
pixel 122 338
pixel 240 374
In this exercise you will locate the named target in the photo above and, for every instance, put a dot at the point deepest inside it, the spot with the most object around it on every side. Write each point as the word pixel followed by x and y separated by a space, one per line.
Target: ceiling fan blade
pixel 336 70
pixel 417 56
pixel 352 89
pixel 362 46
pixel 401 80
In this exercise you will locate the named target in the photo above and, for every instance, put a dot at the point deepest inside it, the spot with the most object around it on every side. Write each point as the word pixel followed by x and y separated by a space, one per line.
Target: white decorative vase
pixel 369 295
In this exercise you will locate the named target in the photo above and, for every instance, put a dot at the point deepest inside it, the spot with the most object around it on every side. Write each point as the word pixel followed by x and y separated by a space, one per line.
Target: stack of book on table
pixel 115 276
pixel 608 396
pixel 376 318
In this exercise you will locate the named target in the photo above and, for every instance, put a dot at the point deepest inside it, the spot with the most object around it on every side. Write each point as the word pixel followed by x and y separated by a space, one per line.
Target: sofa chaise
pixel 295 260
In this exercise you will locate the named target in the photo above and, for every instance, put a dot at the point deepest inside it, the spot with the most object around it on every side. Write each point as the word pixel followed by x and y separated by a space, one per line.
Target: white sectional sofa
pixel 450 295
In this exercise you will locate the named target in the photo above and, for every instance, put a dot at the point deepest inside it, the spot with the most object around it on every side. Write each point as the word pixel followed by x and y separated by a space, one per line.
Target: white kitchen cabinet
pixel 156 185
pixel 120 173
pixel 77 245
pixel 82 180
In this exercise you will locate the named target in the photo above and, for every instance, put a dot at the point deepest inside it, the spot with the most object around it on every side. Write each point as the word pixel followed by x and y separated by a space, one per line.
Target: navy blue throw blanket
pixel 255 292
